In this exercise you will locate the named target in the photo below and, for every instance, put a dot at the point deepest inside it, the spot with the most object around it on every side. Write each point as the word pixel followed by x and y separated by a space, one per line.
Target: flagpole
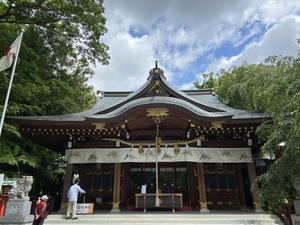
pixel 10 82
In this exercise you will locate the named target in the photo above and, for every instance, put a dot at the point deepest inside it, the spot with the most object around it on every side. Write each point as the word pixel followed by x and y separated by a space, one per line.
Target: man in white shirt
pixel 73 198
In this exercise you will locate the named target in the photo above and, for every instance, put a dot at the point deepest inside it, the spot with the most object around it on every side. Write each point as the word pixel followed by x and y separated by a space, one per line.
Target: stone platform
pixel 192 217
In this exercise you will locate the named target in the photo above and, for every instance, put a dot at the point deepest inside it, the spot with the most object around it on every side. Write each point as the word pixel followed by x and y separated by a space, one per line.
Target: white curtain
pixel 185 154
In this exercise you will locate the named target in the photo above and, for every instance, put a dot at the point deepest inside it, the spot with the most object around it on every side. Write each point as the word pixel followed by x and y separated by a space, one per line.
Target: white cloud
pixel 189 38
pixel 278 40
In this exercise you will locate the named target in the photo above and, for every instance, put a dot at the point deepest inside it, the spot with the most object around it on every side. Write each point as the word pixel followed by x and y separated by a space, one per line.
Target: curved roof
pixel 164 101
pixel 119 113
pixel 203 103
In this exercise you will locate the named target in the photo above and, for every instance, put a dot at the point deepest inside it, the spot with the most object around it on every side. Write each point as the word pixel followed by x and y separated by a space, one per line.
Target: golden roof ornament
pixel 156 72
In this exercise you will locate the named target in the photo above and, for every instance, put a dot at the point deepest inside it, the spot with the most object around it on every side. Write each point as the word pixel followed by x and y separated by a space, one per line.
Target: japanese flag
pixel 9 55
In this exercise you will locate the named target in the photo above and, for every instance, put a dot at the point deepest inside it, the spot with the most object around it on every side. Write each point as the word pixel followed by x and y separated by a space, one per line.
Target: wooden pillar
pixel 67 183
pixel 254 186
pixel 201 185
pixel 116 191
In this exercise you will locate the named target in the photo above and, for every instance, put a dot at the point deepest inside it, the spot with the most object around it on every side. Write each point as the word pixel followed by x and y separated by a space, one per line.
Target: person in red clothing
pixel 40 211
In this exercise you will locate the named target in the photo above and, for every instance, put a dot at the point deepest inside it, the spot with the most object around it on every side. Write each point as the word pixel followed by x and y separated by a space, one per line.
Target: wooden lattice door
pixel 222 187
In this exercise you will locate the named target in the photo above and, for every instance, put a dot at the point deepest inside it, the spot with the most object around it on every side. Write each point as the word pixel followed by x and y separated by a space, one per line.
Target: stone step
pixel 158 218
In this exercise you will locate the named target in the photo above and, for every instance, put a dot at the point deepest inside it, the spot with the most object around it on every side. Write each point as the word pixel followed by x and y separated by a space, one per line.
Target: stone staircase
pixel 167 218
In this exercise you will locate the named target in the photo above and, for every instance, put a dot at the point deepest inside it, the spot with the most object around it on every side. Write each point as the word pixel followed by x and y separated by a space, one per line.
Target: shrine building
pixel 184 144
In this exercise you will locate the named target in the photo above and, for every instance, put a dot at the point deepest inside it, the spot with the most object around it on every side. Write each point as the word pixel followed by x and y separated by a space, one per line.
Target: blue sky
pixel 192 37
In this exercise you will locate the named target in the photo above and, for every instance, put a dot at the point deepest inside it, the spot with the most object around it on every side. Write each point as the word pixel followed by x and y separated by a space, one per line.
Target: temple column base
pixel 203 207
pixel 116 207
pixel 63 207
pixel 257 207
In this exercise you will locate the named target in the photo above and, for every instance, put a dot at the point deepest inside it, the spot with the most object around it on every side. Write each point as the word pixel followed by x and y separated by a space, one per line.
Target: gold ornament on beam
pixel 216 125
pixel 157 114
pixel 99 126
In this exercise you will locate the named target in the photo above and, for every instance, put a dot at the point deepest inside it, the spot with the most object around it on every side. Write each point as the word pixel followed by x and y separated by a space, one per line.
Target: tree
pixel 60 43
pixel 273 87
pixel 209 81
pixel 20 156
pixel 56 65
pixel 72 27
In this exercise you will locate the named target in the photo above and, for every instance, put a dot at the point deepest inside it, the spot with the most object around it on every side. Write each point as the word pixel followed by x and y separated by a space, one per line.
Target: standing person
pixel 73 198
pixel 40 210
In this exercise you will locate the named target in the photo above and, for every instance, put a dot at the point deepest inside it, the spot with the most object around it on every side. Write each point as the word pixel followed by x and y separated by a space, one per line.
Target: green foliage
pixel 61 41
pixel 276 186
pixel 40 87
pixel 274 88
pixel 20 157
pixel 209 81
pixel 71 26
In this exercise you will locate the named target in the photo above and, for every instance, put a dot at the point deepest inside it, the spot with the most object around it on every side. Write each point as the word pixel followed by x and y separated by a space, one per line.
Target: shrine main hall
pixel 185 148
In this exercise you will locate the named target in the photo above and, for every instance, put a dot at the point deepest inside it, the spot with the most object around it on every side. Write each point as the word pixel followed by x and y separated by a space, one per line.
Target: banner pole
pixel 10 83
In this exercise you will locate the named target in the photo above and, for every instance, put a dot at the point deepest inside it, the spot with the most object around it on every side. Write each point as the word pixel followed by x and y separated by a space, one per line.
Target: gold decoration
pixel 257 206
pixel 157 82
pixel 203 205
pixel 159 112
pixel 63 206
pixel 99 126
pixel 115 205
pixel 216 125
